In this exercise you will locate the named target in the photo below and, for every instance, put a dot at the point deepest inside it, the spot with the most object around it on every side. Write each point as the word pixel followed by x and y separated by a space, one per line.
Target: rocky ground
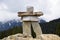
pixel 43 37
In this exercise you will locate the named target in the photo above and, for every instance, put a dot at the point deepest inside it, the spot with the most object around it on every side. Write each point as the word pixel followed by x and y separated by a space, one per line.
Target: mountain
pixel 15 26
pixel 42 21
pixel 51 27
pixel 56 20
pixel 13 23
pixel 9 24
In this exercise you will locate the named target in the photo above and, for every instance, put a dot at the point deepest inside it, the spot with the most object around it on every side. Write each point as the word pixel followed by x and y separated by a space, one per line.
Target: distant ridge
pixel 56 20
pixel 12 23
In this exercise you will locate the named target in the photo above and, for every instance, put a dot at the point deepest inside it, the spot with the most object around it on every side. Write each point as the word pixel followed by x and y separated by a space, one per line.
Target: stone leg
pixel 37 29
pixel 27 29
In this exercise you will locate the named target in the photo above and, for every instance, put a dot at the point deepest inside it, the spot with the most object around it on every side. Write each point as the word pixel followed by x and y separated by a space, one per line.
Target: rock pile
pixel 43 37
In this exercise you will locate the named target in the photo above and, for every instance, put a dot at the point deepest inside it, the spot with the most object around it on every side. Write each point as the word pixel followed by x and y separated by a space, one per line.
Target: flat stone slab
pixel 43 36
pixel 26 14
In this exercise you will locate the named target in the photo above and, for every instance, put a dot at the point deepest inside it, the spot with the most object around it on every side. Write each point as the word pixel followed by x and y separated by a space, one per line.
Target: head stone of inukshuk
pixel 30 9
pixel 30 18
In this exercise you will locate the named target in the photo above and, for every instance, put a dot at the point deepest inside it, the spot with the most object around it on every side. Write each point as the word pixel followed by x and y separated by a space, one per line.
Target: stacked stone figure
pixel 29 19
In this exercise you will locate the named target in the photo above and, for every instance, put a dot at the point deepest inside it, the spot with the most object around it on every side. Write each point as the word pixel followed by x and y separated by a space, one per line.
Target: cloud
pixel 20 5
pixel 53 10
pixel 50 8
pixel 6 15
pixel 3 6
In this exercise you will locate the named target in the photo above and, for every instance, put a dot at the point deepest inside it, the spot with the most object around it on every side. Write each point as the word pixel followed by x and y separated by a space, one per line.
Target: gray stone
pixel 43 36
pixel 30 20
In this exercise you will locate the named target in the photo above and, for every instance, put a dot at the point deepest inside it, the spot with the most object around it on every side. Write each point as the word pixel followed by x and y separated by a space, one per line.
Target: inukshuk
pixel 29 19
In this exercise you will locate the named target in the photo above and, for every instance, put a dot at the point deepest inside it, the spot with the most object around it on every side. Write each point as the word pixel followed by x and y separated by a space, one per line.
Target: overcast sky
pixel 9 8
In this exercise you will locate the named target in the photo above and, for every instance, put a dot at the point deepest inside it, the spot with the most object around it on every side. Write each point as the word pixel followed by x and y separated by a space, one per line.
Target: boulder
pixel 43 37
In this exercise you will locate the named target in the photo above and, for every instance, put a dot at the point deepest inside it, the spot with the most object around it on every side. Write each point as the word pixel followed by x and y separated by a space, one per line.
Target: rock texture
pixel 43 37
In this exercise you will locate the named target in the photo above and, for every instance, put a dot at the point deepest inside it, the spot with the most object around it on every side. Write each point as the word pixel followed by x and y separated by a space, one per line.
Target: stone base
pixel 43 37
